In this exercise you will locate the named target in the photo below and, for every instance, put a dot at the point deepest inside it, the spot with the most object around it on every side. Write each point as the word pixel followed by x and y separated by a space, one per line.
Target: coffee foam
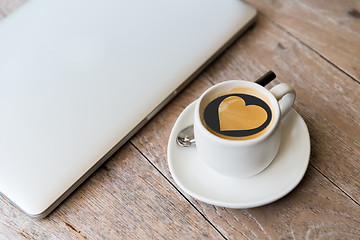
pixel 228 104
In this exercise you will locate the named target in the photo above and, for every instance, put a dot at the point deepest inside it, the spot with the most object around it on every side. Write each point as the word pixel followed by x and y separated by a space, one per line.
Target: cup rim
pixel 236 83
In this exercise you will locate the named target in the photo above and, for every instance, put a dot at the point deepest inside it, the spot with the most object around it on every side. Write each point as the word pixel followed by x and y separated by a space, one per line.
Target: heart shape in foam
pixel 235 115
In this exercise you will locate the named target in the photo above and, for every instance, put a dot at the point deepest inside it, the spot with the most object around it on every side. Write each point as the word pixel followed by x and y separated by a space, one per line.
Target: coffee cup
pixel 237 126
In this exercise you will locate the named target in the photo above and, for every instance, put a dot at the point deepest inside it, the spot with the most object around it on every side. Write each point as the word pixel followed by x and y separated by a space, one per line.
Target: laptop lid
pixel 78 78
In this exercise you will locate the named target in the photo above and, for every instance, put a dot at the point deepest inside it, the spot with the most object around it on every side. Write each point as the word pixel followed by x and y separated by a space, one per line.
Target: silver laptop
pixel 79 78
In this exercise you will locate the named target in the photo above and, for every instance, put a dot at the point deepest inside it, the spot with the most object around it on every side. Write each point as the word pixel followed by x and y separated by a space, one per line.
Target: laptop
pixel 79 78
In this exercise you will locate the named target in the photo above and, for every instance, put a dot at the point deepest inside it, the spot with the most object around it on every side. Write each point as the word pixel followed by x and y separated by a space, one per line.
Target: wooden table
pixel 312 45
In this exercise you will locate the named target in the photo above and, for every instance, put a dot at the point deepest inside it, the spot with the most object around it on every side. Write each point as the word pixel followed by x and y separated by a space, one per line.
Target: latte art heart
pixel 235 115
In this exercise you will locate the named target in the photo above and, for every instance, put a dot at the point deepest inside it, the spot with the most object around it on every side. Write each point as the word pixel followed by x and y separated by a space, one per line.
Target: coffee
pixel 238 114
pixel 247 114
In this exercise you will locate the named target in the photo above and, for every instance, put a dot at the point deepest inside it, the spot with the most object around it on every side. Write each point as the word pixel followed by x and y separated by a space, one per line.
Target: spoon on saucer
pixel 185 137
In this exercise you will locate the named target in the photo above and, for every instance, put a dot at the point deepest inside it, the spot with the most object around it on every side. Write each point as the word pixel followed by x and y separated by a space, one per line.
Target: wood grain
pixel 326 97
pixel 313 209
pixel 321 88
pixel 127 198
pixel 312 45
pixel 331 28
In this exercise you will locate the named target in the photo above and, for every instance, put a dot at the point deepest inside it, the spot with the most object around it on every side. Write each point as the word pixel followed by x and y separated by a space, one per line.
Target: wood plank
pixel 331 28
pixel 321 89
pixel 326 98
pixel 127 198
pixel 313 209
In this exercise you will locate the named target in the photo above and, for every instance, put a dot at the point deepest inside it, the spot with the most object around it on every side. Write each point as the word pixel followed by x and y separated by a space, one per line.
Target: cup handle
pixel 285 95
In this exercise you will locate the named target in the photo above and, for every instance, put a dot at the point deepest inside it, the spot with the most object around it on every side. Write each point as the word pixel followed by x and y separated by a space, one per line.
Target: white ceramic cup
pixel 242 158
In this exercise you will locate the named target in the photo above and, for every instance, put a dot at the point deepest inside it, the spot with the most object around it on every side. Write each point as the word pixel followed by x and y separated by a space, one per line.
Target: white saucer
pixel 201 182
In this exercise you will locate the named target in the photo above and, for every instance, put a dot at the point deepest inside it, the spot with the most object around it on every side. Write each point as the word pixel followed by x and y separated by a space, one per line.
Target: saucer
pixel 285 172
